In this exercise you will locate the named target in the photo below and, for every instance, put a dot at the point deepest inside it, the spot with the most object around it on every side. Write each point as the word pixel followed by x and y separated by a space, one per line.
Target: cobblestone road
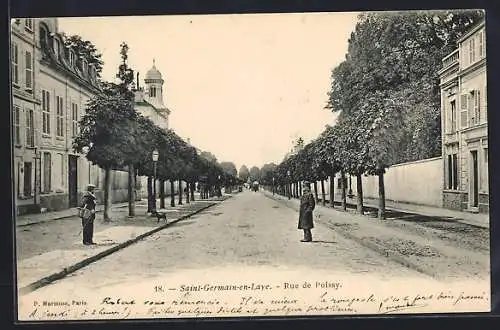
pixel 248 230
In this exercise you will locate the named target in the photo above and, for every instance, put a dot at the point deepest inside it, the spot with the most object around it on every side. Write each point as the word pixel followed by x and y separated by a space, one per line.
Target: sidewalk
pixel 51 250
pixel 475 219
pixel 29 219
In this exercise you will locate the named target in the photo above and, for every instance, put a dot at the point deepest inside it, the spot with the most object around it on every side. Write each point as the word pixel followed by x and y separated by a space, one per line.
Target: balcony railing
pixel 451 59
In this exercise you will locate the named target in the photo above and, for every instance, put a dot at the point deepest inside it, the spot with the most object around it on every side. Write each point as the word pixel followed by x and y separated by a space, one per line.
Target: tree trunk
pixel 315 185
pixel 187 192
pixel 162 194
pixel 323 192
pixel 381 196
pixel 299 186
pixel 192 191
pixel 131 190
pixel 343 183
pixel 180 192
pixel 172 193
pixel 107 194
pixel 332 190
pixel 359 187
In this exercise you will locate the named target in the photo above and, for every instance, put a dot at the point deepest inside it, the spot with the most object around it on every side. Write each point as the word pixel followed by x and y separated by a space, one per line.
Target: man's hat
pixel 90 185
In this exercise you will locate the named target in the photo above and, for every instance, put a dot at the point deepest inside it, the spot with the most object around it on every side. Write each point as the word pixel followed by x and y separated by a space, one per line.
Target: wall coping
pixel 417 161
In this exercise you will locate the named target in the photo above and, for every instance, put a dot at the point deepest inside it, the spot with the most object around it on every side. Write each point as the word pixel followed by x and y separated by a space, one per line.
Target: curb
pixel 392 255
pixel 68 270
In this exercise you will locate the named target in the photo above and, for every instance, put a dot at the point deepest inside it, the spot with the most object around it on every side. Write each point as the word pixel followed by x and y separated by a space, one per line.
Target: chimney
pixel 138 81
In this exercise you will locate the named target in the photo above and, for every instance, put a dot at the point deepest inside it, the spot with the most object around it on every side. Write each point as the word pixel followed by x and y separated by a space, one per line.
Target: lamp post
pixel 155 155
pixel 85 151
pixel 289 183
pixel 219 192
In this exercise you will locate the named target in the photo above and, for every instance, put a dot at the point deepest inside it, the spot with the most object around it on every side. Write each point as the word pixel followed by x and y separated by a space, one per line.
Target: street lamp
pixel 289 183
pixel 155 155
pixel 219 192
pixel 85 151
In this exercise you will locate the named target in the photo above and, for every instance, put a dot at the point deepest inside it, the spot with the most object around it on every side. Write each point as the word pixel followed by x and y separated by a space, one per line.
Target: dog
pixel 159 216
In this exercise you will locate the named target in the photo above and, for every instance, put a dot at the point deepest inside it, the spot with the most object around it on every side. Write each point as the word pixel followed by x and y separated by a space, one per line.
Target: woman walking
pixel 307 205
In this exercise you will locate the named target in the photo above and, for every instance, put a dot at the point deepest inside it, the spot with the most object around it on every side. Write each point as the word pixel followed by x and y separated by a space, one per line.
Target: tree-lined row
pixel 388 98
pixel 114 136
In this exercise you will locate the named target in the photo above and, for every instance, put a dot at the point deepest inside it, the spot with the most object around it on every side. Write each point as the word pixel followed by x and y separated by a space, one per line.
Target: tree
pixel 255 173
pixel 243 173
pixel 388 52
pixel 229 168
pixel 209 156
pixel 107 126
pixel 85 48
pixel 266 173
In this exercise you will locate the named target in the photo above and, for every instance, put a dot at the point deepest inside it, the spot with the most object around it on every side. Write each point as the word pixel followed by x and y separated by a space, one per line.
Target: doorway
pixel 73 181
pixel 474 180
pixel 27 179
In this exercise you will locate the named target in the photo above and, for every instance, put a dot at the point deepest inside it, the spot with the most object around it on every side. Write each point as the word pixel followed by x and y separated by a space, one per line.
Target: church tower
pixel 154 87
pixel 149 99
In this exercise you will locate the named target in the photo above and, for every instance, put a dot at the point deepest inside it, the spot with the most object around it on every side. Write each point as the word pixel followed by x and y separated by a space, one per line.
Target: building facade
pixel 465 124
pixel 25 108
pixel 51 84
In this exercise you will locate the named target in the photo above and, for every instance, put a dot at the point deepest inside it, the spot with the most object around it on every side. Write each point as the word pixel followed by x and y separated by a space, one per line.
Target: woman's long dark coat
pixel 307 205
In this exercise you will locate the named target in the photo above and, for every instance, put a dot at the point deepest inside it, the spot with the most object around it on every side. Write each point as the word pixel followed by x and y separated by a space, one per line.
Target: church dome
pixel 153 74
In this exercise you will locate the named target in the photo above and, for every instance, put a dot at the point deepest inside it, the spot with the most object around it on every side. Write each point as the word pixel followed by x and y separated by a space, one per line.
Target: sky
pixel 240 86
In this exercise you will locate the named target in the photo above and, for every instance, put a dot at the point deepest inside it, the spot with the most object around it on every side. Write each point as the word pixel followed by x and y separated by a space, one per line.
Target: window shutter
pixel 481 45
pixel 463 110
pixel 478 107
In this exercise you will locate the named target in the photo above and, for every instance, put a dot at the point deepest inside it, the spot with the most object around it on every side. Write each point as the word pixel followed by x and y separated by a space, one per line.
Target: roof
pixel 153 74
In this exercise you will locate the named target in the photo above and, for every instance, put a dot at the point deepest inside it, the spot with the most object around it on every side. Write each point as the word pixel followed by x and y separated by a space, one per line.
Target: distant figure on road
pixel 89 203
pixel 307 205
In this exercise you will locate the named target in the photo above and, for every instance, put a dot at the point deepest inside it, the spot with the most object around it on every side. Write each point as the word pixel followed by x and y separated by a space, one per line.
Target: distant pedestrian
pixel 88 215
pixel 307 205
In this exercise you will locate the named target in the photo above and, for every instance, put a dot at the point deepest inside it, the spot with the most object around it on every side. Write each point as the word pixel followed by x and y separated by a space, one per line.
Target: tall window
pixel 60 116
pixel 453 108
pixel 17 125
pixel 463 110
pixel 47 166
pixel 71 58
pixel 481 44
pixel 74 119
pixel 57 47
pixel 45 112
pixel 30 131
pixel 152 91
pixel 452 172
pixel 15 64
pixel 474 107
pixel 84 67
pixel 28 24
pixel 29 71
pixel 472 50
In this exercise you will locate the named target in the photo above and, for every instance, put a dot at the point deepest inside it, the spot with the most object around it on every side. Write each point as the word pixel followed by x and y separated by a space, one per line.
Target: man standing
pixel 89 203
pixel 307 205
